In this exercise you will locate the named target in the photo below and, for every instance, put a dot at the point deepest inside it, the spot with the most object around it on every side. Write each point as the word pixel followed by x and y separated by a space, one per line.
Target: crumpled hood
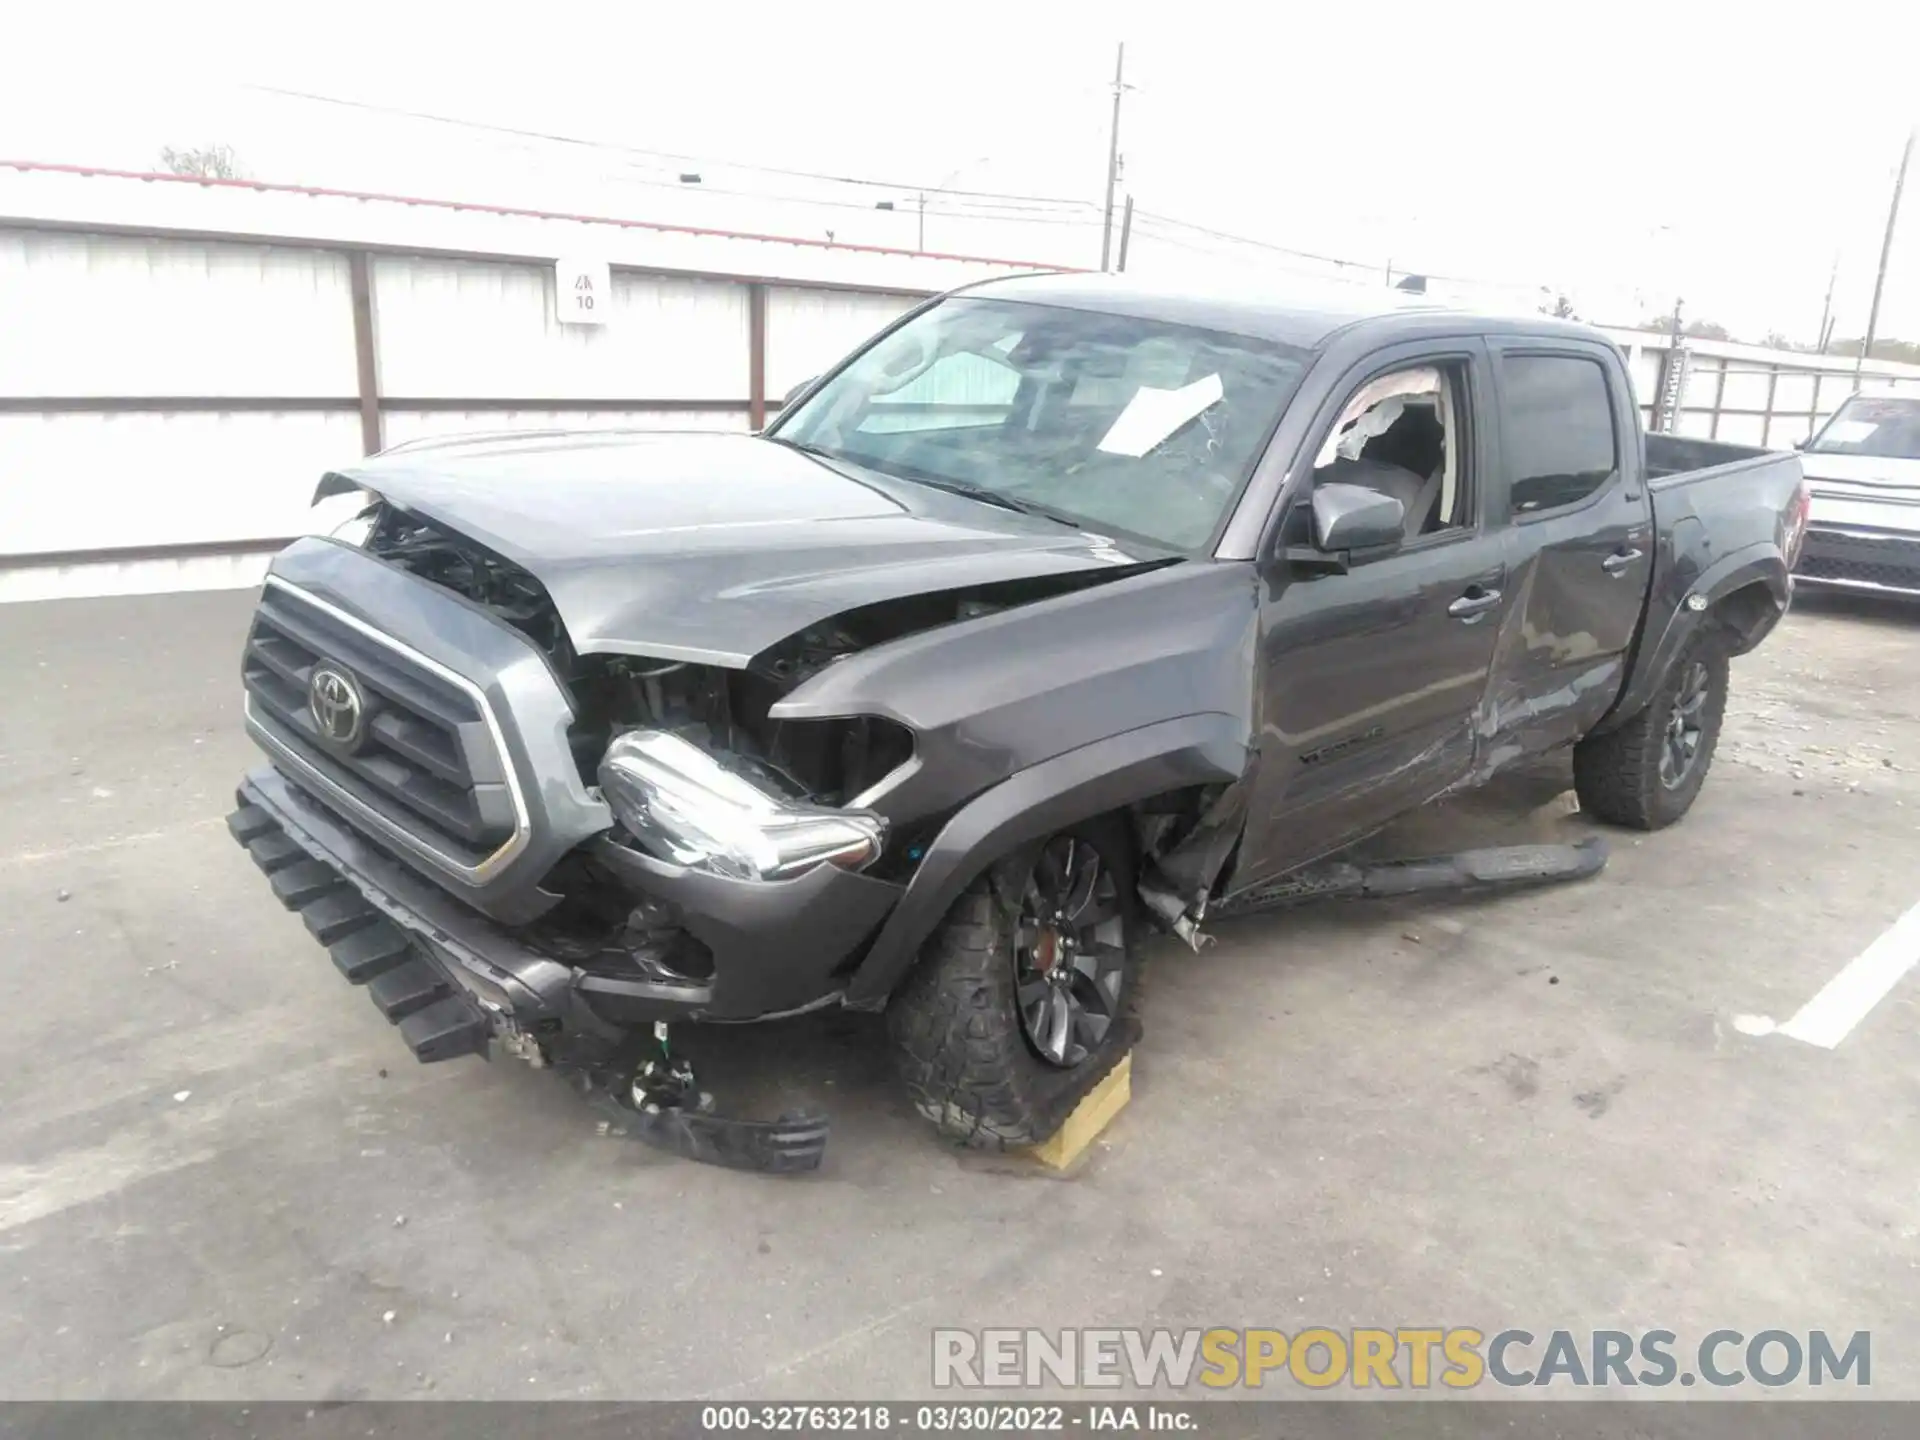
pixel 711 548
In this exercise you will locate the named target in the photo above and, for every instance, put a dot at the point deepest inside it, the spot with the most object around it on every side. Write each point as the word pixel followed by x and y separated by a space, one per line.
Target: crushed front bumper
pixel 450 979
pixel 776 947
pixel 454 984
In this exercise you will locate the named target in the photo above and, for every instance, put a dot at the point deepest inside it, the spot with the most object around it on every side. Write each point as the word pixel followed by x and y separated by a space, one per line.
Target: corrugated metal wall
pixel 164 394
pixel 113 315
pixel 168 400
pixel 808 330
pixel 480 330
pixel 90 319
pixel 142 479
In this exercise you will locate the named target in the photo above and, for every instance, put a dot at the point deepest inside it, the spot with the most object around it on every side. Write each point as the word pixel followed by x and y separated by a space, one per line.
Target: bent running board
pixel 1497 867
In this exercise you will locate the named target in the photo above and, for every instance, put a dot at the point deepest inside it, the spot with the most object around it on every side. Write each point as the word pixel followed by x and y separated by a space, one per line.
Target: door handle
pixel 1617 563
pixel 1471 606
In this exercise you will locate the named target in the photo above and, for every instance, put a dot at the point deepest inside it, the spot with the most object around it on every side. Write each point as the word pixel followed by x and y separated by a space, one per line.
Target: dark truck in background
pixel 1063 608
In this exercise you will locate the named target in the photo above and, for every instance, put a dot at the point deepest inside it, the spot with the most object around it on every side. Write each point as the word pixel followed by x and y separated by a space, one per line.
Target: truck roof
pixel 1303 315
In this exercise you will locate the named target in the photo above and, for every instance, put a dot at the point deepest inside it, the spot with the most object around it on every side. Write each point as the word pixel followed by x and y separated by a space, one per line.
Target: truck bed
pixel 1725 515
pixel 1716 501
pixel 1673 457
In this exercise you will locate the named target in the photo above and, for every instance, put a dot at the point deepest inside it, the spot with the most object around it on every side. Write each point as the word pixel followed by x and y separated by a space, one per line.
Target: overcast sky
pixel 1622 152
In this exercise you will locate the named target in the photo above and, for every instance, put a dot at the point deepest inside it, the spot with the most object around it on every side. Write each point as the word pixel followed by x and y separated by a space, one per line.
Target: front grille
pixel 425 759
pixel 1862 559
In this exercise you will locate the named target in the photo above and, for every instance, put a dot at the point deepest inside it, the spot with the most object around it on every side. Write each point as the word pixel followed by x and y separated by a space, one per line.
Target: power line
pixel 1168 238
pixel 1336 260
pixel 559 139
pixel 984 214
pixel 981 209
pixel 1002 207
pixel 1259 244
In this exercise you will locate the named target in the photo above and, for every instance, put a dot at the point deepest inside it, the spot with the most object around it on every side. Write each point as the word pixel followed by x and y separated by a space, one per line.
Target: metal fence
pixel 1748 394
pixel 180 360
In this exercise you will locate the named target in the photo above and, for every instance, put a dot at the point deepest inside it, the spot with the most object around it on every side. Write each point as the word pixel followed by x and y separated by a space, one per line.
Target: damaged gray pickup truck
pixel 1063 608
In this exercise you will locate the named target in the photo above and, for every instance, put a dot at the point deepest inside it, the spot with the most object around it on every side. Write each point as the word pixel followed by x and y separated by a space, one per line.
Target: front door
pixel 1371 681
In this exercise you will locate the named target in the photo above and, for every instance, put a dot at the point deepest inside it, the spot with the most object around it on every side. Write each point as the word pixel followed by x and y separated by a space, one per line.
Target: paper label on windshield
pixel 1152 415
pixel 1850 432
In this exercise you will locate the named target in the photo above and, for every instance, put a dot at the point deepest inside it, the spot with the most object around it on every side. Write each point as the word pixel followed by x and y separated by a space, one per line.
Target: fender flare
pixel 1760 563
pixel 1203 749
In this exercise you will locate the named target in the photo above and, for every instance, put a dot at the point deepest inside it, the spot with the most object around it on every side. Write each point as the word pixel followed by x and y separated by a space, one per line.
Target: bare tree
pixel 1694 329
pixel 209 162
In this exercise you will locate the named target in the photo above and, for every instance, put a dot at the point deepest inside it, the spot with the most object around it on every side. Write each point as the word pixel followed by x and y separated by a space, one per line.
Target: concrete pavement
pixel 222 1177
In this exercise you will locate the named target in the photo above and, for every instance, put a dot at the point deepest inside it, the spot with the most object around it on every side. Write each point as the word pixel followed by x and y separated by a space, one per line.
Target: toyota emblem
pixel 338 709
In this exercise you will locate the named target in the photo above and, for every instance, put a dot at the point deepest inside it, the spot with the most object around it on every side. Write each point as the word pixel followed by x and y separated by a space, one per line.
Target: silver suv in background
pixel 1863 467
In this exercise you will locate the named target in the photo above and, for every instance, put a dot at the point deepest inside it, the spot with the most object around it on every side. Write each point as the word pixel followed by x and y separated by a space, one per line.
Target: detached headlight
pixel 686 807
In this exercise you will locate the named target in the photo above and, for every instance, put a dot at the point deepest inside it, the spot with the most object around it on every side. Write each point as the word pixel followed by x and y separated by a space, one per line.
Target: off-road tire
pixel 1617 775
pixel 958 1040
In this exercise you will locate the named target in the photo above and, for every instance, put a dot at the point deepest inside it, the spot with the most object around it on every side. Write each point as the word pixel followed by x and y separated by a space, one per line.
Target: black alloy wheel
pixel 1069 952
pixel 1686 723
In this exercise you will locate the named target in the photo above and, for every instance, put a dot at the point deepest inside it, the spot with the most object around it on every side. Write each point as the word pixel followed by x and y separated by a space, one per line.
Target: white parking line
pixel 1846 999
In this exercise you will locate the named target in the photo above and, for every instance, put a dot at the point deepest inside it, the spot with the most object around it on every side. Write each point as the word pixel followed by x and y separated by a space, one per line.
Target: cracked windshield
pixel 1110 422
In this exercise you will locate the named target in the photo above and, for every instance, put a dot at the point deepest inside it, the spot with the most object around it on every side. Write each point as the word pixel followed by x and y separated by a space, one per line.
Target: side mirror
pixel 1352 517
pixel 797 391
pixel 1343 520
pixel 1803 442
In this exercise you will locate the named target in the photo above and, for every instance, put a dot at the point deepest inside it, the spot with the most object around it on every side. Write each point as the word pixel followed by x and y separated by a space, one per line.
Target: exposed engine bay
pixel 721 710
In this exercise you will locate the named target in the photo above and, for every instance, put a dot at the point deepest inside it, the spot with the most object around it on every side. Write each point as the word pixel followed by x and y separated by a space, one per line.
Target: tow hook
pixel 658 1102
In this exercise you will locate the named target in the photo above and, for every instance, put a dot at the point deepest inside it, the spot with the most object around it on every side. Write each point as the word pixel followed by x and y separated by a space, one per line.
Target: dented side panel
pixel 993 696
pixel 1372 694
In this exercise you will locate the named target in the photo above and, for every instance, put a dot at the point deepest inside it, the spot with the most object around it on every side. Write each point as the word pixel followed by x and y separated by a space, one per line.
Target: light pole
pixel 1113 156
pixel 1886 249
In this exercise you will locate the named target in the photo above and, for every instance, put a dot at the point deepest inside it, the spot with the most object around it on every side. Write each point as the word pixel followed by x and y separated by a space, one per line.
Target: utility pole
pixel 920 244
pixel 1886 249
pixel 1126 231
pixel 1113 156
pixel 1826 310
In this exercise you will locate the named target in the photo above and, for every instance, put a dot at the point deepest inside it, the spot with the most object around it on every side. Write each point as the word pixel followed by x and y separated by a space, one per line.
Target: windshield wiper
pixel 895 471
pixel 816 451
pixel 986 495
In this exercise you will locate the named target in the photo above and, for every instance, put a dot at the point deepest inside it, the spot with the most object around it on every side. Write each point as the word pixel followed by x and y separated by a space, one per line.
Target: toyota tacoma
pixel 1062 609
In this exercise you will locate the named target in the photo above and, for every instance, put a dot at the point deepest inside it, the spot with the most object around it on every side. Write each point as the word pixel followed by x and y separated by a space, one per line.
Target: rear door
pixel 1370 681
pixel 1573 507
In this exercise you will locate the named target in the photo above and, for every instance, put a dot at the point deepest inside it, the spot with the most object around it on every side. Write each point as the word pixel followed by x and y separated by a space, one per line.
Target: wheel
pixel 1646 773
pixel 1022 999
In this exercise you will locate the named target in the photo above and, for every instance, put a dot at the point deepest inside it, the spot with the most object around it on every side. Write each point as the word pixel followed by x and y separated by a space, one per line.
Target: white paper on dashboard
pixel 1152 415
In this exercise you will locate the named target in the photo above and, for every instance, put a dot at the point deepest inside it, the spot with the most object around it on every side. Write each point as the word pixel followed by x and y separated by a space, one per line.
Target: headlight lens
pixel 685 806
